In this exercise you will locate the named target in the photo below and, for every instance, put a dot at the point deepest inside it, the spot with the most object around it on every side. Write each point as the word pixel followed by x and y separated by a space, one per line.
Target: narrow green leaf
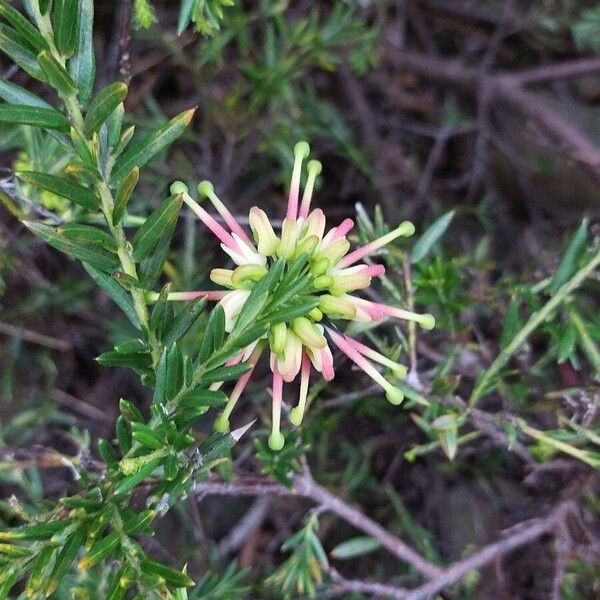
pixel 159 395
pixel 115 292
pixel 511 324
pixel 66 26
pixel 19 54
pixel 14 94
pixel 38 532
pixel 146 436
pixel 183 321
pixel 213 335
pixel 40 568
pixel 146 149
pixel 23 26
pixel 130 411
pixel 430 236
pixel 48 118
pixel 226 373
pixel 79 232
pixel 105 102
pixel 446 428
pixel 114 124
pixel 203 397
pixel 137 361
pixel 56 74
pixel 174 373
pixel 129 482
pixel 568 264
pixel 124 194
pixel 567 343
pixel 358 546
pixel 64 559
pixel 107 452
pixel 257 300
pixel 100 550
pixel 82 65
pixel 123 431
pixel 96 257
pixel 61 186
pixel 185 15
pixel 148 235
pixel 171 576
pixel 152 267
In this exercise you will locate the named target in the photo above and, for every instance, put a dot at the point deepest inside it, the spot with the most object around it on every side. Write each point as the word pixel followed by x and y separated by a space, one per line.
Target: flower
pixel 336 275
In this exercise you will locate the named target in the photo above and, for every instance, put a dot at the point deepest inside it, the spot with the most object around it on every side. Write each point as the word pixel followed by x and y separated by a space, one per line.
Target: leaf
pixel 40 566
pixel 38 532
pixel 82 65
pixel 446 428
pixel 171 576
pixel 137 361
pixel 511 324
pixel 100 550
pixel 567 343
pixel 63 187
pixel 15 94
pixel 47 118
pixel 258 298
pixel 64 559
pixel 96 257
pixel 129 482
pixel 23 26
pixel 148 235
pixel 174 373
pixel 56 74
pixel 115 292
pixel 146 436
pixel 78 232
pixel 568 264
pixel 151 269
pixel 430 236
pixel 226 373
pixel 130 411
pixel 22 56
pixel 213 335
pixel 123 431
pixel 124 194
pixel 66 26
pixel 358 546
pixel 185 15
pixel 203 397
pixel 105 102
pixel 147 148
pixel 184 321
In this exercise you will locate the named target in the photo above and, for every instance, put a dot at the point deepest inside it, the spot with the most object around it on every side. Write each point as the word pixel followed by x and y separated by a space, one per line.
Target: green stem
pixel 534 322
pixel 106 198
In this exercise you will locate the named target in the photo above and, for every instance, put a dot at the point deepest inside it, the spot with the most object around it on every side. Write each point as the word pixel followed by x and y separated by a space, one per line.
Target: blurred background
pixel 483 114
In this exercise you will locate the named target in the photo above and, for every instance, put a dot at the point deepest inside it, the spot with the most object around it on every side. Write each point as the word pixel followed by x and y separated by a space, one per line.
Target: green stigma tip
pixel 427 321
pixel 205 188
pixel 178 187
pixel 222 424
pixel 394 396
pixel 406 229
pixel 276 441
pixel 314 166
pixel 302 149
pixel 296 416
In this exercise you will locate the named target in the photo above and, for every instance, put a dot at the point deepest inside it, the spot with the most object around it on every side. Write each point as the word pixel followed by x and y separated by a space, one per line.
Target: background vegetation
pixel 477 121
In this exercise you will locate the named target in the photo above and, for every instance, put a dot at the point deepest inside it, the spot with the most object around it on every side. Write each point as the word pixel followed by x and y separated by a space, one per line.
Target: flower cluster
pixel 336 274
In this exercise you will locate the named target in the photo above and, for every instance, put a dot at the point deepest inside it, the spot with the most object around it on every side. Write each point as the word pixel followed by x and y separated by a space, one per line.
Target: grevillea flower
pixel 336 276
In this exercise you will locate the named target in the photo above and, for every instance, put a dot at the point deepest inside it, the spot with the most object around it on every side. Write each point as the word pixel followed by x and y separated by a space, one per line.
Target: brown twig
pixel 523 533
pixel 35 338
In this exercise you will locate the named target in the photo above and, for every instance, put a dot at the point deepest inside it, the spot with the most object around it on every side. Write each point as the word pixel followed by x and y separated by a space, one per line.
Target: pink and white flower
pixel 336 276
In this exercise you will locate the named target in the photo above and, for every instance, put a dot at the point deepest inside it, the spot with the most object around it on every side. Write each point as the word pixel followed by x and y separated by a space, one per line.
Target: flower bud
pixel 287 244
pixel 308 333
pixel 336 307
pixel 222 277
pixel 278 335
pixel 263 232
pixel 248 273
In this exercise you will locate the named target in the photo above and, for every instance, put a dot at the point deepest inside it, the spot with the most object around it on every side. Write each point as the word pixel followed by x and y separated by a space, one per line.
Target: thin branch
pixel 524 533
pixel 305 486
pixel 35 338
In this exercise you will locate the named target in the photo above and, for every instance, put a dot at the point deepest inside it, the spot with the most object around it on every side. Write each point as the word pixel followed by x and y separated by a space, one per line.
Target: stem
pixel 534 322
pixel 75 114
pixel 587 343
